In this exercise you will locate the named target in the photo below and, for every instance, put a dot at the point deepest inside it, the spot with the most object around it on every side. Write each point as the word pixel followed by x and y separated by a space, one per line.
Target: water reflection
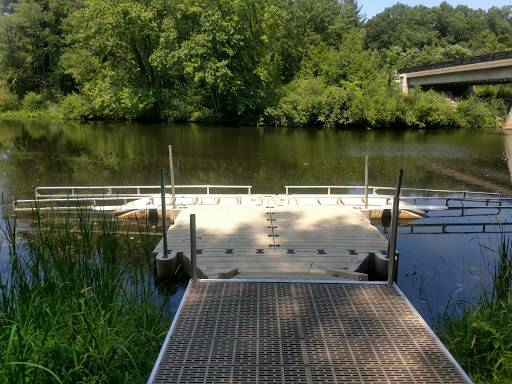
pixel 35 153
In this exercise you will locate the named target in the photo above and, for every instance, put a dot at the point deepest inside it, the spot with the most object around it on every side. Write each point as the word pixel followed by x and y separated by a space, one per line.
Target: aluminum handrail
pixel 94 199
pixel 376 188
pixel 109 190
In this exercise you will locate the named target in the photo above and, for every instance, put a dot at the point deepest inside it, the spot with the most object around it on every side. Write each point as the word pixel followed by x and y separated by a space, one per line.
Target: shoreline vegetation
pixel 78 304
pixel 244 62
pixel 478 332
pixel 421 110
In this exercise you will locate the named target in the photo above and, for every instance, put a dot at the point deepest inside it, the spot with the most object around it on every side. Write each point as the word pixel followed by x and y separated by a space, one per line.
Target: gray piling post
pixel 193 251
pixel 164 211
pixel 165 264
pixel 394 227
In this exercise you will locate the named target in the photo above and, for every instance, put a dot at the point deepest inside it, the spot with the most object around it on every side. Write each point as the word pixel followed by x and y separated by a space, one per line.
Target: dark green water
pixel 34 153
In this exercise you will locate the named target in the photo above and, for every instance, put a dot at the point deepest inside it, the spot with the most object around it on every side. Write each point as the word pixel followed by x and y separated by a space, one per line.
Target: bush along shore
pixel 77 305
pixel 312 102
pixel 479 333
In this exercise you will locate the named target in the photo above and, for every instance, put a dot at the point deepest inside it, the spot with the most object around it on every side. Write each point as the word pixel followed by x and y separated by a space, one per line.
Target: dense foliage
pixel 241 61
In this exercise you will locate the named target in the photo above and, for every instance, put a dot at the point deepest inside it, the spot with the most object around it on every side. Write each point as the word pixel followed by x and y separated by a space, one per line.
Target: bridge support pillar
pixel 470 90
pixel 508 122
pixel 404 86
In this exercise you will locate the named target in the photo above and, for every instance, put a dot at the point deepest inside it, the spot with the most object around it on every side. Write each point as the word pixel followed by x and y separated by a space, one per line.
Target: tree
pixel 226 50
pixel 31 41
pixel 110 45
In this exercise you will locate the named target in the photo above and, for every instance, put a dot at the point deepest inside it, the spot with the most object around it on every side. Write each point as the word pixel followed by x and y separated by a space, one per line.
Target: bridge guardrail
pixel 454 63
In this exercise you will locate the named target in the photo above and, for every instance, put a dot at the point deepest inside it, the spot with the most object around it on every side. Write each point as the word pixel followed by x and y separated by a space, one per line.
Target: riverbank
pixel 304 102
pixel 78 304
pixel 479 332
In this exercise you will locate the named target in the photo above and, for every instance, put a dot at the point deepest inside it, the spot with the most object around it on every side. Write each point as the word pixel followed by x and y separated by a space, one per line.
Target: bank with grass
pixel 479 332
pixel 306 102
pixel 78 304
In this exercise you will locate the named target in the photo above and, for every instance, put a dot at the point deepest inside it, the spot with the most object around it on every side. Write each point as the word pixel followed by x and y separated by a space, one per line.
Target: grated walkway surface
pixel 301 332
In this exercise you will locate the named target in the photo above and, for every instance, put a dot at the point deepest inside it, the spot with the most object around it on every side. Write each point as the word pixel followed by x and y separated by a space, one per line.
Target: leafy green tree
pixel 226 50
pixel 403 26
pixel 31 43
pixel 110 45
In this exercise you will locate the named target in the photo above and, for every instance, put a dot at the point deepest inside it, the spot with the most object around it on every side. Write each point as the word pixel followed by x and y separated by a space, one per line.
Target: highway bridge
pixel 493 68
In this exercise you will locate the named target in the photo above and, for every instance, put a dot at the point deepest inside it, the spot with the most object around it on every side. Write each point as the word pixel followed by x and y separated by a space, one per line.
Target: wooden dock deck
pixel 234 331
pixel 285 241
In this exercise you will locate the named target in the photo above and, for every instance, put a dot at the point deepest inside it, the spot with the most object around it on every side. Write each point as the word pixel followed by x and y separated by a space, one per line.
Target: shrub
pixel 8 101
pixel 75 107
pixel 478 112
pixel 430 109
pixel 33 101
pixel 300 104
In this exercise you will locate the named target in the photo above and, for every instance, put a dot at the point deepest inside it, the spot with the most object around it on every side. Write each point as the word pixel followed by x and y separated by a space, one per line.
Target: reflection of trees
pixel 62 153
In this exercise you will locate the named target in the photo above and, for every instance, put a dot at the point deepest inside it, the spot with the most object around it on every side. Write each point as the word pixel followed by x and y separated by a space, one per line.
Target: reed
pixel 78 305
pixel 479 333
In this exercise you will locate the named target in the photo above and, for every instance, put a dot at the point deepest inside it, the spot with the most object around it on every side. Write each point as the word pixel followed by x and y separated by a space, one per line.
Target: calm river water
pixel 432 267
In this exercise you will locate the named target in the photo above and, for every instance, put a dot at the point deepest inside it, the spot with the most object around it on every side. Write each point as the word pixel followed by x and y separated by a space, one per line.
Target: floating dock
pixel 278 241
pixel 300 332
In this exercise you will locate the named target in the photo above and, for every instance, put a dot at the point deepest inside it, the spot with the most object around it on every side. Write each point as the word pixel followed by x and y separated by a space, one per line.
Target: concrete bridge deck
pixel 300 332
pixel 278 240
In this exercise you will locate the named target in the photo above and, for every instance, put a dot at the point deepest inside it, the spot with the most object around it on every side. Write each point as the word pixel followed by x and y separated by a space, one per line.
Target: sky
pixel 372 7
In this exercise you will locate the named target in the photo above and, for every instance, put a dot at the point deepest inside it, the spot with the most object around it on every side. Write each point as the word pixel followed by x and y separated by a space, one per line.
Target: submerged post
pixel 366 182
pixel 193 252
pixel 172 178
pixel 394 227
pixel 164 212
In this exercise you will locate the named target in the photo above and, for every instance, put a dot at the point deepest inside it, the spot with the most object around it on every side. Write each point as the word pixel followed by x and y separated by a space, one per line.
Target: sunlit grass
pixel 77 306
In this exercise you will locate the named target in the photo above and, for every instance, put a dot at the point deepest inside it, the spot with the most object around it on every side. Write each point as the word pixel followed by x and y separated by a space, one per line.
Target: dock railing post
pixel 164 212
pixel 193 251
pixel 394 227
pixel 172 178
pixel 366 182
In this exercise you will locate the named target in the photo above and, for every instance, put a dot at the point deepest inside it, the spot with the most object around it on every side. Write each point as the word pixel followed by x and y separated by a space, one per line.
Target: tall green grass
pixel 77 307
pixel 479 334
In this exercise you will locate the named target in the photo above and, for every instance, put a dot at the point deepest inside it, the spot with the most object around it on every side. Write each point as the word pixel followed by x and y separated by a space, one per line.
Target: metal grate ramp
pixel 301 332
